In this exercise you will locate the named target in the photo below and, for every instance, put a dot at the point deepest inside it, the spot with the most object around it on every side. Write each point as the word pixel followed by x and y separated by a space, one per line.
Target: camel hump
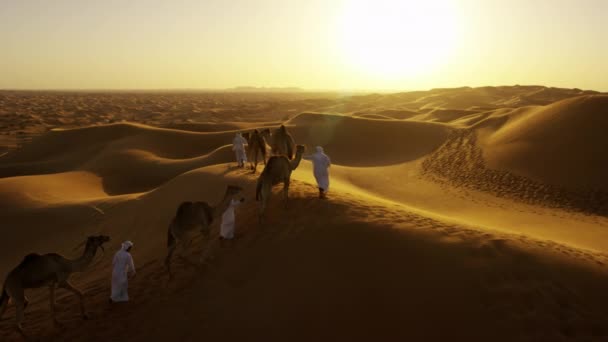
pixel 29 259
pixel 183 209
pixel 31 256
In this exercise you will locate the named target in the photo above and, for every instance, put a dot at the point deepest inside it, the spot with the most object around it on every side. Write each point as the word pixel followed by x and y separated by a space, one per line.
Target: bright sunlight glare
pixel 397 38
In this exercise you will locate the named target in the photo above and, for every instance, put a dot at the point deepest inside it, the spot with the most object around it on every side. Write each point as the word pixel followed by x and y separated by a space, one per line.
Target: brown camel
pixel 280 141
pixel 52 270
pixel 278 169
pixel 246 135
pixel 256 148
pixel 193 216
pixel 266 134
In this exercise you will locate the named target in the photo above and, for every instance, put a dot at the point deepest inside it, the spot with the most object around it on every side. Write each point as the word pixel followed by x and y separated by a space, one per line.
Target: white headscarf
pixel 126 245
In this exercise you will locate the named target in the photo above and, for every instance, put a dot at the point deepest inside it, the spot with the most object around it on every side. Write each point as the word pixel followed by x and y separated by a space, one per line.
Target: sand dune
pixel 468 214
pixel 363 142
pixel 562 144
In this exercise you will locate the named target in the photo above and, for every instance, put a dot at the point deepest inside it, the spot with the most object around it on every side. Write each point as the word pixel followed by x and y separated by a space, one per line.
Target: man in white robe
pixel 229 220
pixel 123 267
pixel 238 146
pixel 321 164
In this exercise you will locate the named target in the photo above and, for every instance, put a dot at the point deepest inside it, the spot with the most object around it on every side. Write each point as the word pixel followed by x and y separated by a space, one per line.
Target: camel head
pixel 266 133
pixel 300 149
pixel 97 241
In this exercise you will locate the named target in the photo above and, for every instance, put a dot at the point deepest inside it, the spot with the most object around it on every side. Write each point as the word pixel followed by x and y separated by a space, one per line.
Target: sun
pixel 397 38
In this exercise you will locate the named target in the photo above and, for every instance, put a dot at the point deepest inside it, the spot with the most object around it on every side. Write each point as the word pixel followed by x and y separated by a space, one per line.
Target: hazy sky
pixel 316 44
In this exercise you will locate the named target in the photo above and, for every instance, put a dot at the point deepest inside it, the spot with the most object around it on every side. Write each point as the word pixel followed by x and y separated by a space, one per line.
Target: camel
pixel 278 169
pixel 281 142
pixel 255 148
pixel 247 136
pixel 191 216
pixel 52 270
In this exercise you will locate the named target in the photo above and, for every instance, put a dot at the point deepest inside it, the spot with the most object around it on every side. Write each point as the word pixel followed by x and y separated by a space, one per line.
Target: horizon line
pixel 288 89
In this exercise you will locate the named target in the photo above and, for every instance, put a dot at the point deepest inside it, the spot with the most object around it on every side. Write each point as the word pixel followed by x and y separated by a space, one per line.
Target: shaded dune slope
pixel 356 269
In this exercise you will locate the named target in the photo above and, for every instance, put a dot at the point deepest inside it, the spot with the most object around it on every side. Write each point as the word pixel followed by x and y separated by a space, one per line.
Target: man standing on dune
pixel 321 164
pixel 123 267
pixel 238 146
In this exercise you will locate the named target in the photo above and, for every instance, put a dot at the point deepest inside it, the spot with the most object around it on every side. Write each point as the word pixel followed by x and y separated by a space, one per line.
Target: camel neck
pixel 81 263
pixel 296 161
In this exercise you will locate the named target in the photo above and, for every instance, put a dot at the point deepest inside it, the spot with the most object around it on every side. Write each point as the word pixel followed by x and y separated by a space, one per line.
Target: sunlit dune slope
pixel 362 142
pixel 562 144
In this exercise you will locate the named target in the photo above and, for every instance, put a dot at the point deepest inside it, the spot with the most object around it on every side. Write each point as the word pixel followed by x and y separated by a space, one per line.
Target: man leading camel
pixel 321 164
pixel 123 267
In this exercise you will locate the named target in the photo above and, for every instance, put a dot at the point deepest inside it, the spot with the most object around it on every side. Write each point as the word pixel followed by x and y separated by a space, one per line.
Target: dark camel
pixel 52 270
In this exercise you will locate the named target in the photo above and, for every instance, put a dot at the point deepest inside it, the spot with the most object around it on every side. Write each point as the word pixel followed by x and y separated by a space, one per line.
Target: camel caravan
pixel 191 219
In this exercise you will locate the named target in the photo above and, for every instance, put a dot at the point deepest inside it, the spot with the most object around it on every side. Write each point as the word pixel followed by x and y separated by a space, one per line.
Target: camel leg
pixel 19 300
pixel 172 248
pixel 208 249
pixel 3 308
pixel 261 209
pixel 4 301
pixel 254 161
pixel 286 191
pixel 66 285
pixel 19 310
pixel 52 305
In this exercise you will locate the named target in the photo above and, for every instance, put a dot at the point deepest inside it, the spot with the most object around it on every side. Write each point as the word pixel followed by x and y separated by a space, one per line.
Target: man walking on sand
pixel 229 220
pixel 123 267
pixel 238 146
pixel 321 164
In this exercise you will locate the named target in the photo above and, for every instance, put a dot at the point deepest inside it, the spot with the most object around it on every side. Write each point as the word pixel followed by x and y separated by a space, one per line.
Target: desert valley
pixel 456 214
